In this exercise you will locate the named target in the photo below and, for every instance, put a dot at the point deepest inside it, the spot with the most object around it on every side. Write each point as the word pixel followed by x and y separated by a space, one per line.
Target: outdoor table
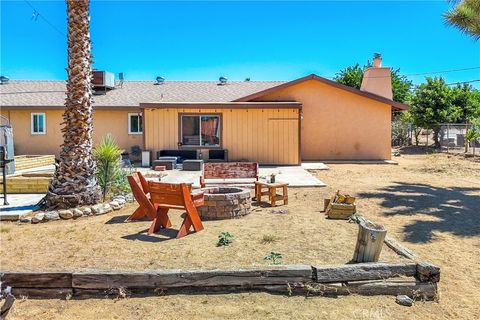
pixel 271 192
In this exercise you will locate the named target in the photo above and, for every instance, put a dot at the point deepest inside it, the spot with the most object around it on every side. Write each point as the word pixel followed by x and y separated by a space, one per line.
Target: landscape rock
pixel 51 215
pixel 101 209
pixel 129 197
pixel 107 208
pixel 38 217
pixel 26 220
pixel 77 213
pixel 120 201
pixel 115 205
pixel 280 211
pixel 404 300
pixel 65 214
pixel 86 211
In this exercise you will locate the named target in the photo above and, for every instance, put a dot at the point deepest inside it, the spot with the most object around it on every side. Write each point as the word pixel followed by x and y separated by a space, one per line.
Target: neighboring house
pixel 270 122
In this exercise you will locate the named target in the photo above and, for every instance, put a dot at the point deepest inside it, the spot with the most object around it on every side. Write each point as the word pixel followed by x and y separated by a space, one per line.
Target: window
pixel 200 131
pixel 135 123
pixel 38 123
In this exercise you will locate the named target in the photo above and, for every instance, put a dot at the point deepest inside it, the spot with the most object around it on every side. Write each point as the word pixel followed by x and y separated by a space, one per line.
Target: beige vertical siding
pixel 266 136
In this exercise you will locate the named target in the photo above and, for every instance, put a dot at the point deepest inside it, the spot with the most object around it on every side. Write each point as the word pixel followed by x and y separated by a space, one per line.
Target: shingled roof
pixel 41 93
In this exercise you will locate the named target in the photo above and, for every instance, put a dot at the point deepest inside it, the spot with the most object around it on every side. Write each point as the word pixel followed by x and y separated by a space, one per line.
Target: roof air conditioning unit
pixel 103 79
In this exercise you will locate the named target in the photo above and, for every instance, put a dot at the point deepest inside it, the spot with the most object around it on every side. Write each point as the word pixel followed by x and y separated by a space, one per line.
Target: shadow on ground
pixel 457 210
pixel 166 234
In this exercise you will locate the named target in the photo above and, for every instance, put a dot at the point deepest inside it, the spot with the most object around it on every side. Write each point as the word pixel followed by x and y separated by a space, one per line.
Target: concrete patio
pixel 295 176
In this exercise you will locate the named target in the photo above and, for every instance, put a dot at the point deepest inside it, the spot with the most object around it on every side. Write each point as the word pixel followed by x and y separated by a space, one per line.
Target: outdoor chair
pixel 140 190
pixel 166 196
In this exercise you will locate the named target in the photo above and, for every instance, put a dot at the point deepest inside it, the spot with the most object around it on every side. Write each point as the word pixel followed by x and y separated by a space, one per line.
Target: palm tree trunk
pixel 74 181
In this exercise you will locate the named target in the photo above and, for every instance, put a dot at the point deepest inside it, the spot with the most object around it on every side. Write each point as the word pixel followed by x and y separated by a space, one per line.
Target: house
pixel 270 122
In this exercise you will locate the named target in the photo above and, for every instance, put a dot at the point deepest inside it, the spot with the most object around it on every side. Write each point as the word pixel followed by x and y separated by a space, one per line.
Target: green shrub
pixel 273 256
pixel 109 173
pixel 224 239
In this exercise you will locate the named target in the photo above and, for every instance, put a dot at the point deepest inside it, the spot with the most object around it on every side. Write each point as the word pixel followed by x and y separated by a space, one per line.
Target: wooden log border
pixel 418 280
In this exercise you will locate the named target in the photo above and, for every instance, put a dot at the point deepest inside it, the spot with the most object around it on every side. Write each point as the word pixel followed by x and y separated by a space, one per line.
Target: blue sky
pixel 261 40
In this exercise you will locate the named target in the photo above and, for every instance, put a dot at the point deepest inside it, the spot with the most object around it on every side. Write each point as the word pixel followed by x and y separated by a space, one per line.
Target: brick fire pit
pixel 225 203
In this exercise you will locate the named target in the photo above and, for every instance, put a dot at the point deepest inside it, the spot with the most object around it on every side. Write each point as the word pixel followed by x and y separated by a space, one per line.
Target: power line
pixel 432 72
pixel 463 82
pixel 37 14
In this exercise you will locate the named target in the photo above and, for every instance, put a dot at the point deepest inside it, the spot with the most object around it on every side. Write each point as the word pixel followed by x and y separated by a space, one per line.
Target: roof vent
pixel 222 80
pixel 4 80
pixel 247 79
pixel 159 80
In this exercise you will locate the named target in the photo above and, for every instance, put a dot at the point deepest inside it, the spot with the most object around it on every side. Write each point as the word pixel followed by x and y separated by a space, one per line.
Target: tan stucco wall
pixel 337 124
pixel 266 136
pixel 104 121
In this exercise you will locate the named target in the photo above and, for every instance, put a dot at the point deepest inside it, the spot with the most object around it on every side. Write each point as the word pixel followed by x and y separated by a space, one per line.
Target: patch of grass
pixel 269 238
pixel 4 229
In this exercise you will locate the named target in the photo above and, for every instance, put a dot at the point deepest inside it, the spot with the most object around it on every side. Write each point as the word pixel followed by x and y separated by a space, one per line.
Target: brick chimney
pixel 377 79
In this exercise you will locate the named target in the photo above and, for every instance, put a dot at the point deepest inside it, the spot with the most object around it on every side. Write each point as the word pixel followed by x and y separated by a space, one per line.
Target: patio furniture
pixel 271 192
pixel 192 165
pixel 166 196
pixel 180 155
pixel 217 155
pixel 140 190
pixel 168 164
pixel 229 170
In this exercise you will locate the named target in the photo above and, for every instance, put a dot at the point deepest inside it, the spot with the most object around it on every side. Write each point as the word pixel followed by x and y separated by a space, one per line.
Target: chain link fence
pixel 453 138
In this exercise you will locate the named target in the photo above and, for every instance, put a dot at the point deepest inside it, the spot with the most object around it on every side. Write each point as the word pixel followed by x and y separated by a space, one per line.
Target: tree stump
pixel 369 242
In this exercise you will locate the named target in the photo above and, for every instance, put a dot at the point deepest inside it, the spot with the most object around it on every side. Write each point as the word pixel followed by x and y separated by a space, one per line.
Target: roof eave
pixel 394 104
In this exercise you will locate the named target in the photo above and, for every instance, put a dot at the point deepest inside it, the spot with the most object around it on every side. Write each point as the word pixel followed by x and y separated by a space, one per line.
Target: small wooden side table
pixel 271 192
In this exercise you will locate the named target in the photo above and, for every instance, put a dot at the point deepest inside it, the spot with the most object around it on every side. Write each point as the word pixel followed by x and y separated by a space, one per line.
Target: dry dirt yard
pixel 431 203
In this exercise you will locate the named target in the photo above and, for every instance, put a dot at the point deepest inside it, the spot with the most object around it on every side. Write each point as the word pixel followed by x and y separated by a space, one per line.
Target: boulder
pixel 77 213
pixel 51 215
pixel 38 217
pixel 65 214
pixel 96 209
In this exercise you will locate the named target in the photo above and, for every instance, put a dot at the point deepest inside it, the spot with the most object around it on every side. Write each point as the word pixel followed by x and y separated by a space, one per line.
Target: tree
pixel 468 100
pixel 74 181
pixel 352 76
pixel 432 105
pixel 466 17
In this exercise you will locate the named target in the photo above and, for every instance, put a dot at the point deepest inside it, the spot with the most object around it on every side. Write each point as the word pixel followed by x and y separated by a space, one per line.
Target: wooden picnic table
pixel 271 192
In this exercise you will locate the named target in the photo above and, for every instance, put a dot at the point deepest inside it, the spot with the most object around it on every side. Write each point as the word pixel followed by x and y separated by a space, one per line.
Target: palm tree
pixel 466 17
pixel 74 181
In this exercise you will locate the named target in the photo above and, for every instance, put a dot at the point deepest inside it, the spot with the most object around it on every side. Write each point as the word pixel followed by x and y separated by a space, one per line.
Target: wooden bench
pixel 229 170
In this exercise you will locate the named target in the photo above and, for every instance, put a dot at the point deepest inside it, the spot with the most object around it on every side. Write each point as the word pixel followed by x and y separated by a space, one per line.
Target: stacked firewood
pixel 339 206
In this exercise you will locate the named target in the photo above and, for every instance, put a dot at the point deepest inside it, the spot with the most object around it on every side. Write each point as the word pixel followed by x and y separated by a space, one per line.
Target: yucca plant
pixel 109 171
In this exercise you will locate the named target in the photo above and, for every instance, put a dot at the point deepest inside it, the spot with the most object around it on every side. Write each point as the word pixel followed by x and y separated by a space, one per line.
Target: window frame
pixel 32 126
pixel 130 114
pixel 193 147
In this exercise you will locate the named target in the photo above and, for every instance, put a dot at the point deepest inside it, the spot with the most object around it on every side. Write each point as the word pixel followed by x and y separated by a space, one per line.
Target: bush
pixel 110 175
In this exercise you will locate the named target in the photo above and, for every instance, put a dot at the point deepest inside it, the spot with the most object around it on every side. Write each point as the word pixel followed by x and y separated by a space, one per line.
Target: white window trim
pixel 32 115
pixel 130 114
